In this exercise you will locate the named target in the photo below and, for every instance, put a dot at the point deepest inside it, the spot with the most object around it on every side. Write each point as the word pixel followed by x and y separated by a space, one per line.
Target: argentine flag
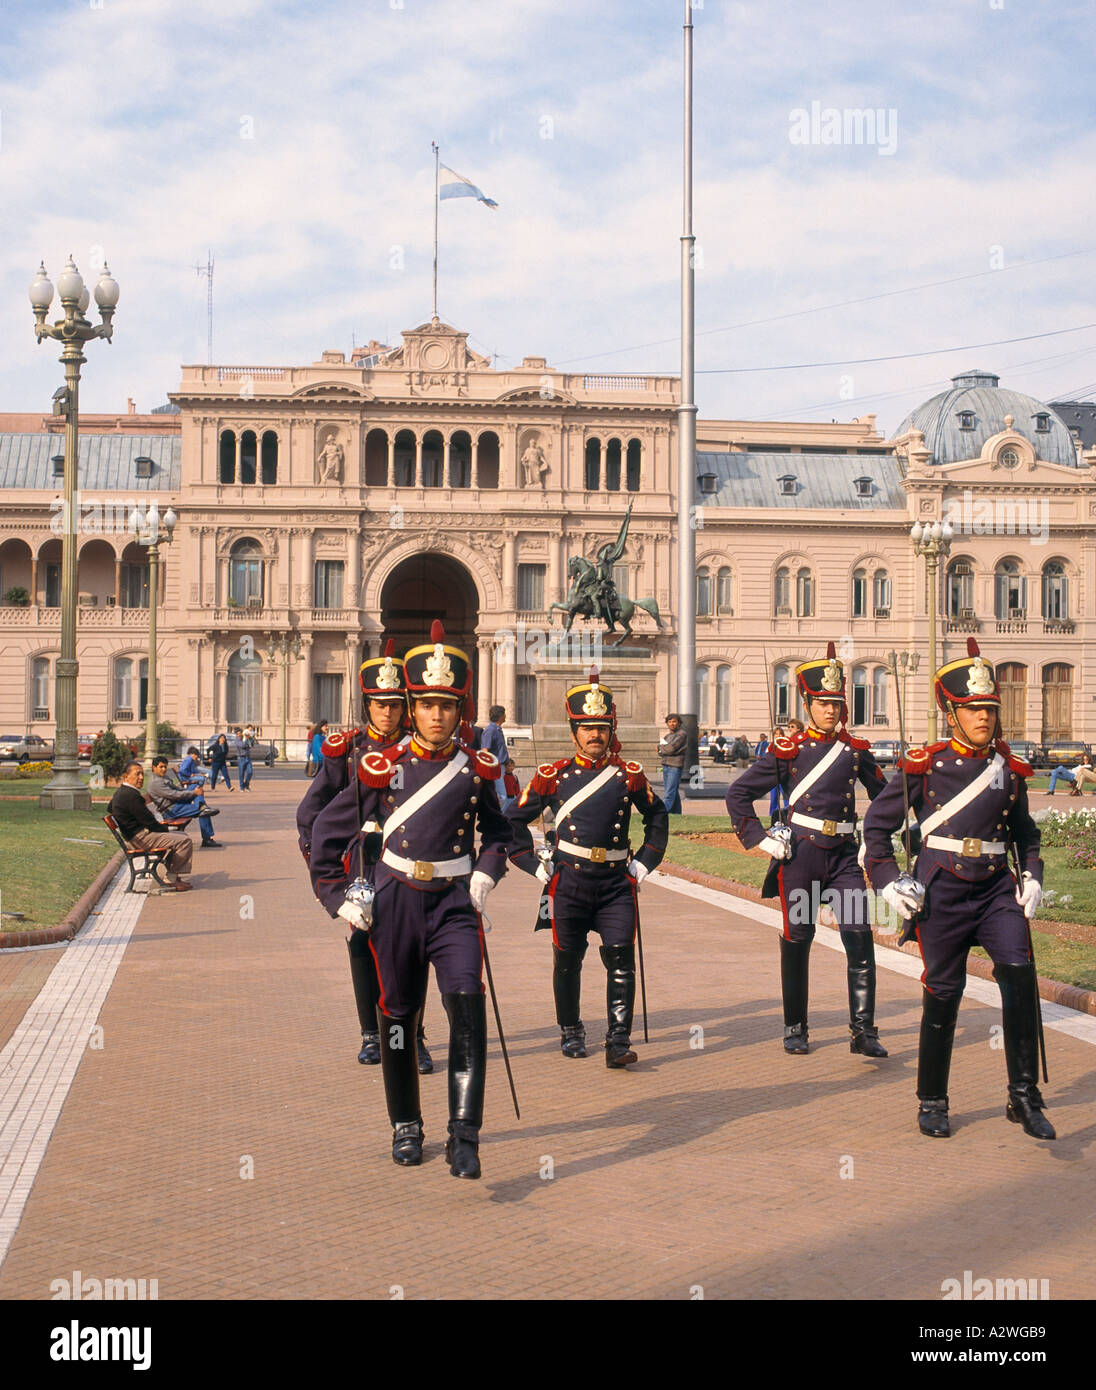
pixel 454 185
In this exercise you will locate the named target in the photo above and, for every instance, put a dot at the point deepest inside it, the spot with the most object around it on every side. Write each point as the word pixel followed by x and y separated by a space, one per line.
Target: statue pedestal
pixel 631 673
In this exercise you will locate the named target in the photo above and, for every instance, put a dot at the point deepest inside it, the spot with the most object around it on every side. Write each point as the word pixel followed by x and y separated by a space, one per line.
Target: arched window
pixel 376 458
pixel 40 687
pixel 432 459
pixel 123 688
pixel 403 459
pixel 860 713
pixel 881 593
pixel 269 458
pixel 859 593
pixel 1055 592
pixel 703 703
pixel 703 592
pixel 724 602
pixel 961 588
pixel 243 689
pixel 804 593
pixel 248 452
pixel 781 694
pixel 245 575
pixel 227 469
pixel 634 465
pixel 782 593
pixel 460 459
pixel 722 695
pixel 487 459
pixel 612 466
pixel 592 479
pixel 879 695
pixel 1009 591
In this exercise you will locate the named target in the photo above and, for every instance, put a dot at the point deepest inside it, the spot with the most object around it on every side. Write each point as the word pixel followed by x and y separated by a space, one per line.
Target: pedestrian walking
pixel 316 735
pixel 243 746
pixel 218 762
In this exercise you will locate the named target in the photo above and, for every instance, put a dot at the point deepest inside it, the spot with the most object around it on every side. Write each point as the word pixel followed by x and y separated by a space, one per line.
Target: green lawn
pixel 41 873
pixel 31 786
pixel 1070 961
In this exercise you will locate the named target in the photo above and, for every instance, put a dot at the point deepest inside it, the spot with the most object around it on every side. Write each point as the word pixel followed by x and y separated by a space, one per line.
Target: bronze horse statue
pixel 593 595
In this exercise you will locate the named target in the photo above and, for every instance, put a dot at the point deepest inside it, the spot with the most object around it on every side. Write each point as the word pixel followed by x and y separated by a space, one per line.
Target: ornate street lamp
pixel 66 791
pixel 932 540
pixel 152 531
pixel 283 651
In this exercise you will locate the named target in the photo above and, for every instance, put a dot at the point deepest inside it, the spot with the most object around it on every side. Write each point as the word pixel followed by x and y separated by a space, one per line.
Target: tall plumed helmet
pixel 382 677
pixel 824 677
pixel 438 669
pixel 591 703
pixel 971 681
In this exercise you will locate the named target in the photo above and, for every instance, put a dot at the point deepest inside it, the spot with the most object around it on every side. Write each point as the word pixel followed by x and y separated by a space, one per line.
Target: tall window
pixel 227 462
pixel 433 459
pixel 530 588
pixel 859 696
pixel 269 458
pixel 53 586
pixel 723 595
pixel 243 689
pixel 525 694
pixel 403 459
pixel 327 698
pixel 879 695
pixel 703 703
pixel 612 466
pixel 622 578
pixel 123 688
pixel 329 584
pixel 859 593
pixel 782 593
pixel 39 687
pixel 134 586
pixel 722 695
pixel 703 592
pixel 881 593
pixel 1055 591
pixel 245 575
pixel 634 464
pixel 780 693
pixel 961 589
pixel 460 459
pixel 248 456
pixel 804 593
pixel 1009 591
pixel 592 478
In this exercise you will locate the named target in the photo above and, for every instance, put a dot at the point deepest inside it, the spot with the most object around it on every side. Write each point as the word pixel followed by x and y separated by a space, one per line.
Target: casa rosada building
pixel 323 508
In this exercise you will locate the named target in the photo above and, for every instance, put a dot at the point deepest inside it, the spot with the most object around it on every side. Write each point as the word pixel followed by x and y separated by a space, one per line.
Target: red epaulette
pixel 917 760
pixel 637 778
pixel 1017 764
pixel 543 782
pixel 375 769
pixel 784 747
pixel 853 741
pixel 338 745
pixel 486 764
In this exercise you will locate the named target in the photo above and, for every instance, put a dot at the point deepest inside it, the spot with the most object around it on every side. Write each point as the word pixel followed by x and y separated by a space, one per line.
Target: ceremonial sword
pixel 495 1005
pixel 909 926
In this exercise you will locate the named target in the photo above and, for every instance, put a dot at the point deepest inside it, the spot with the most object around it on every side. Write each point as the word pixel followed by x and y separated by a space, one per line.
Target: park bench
pixel 143 863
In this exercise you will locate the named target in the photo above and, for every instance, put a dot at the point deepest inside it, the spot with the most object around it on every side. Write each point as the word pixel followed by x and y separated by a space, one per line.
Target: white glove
pixel 779 849
pixel 544 873
pixel 638 871
pixel 479 885
pixel 899 902
pixel 352 913
pixel 1030 895
pixel 862 853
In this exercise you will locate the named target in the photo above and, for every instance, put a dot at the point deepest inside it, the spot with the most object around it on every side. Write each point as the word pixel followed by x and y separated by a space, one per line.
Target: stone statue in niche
pixel 330 461
pixel 534 466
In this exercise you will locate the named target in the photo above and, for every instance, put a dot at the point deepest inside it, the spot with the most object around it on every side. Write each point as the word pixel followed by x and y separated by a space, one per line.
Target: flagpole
pixel 686 439
pixel 437 156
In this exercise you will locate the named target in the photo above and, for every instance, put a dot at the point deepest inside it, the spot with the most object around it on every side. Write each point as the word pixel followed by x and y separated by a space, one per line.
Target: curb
pixel 1054 991
pixel 75 918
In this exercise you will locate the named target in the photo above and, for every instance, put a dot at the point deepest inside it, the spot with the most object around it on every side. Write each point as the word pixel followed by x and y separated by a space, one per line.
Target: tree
pixel 108 753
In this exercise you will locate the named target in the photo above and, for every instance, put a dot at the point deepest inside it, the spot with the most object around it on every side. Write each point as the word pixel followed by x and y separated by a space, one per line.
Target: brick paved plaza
pixel 716 1166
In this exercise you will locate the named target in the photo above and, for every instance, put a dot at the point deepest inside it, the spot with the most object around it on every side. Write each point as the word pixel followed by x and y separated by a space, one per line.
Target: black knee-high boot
pixel 363 973
pixel 401 1085
pixel 794 978
pixel 620 998
pixel 860 950
pixel 567 988
pixel 1018 986
pixel 938 1018
pixel 426 1062
pixel 467 1074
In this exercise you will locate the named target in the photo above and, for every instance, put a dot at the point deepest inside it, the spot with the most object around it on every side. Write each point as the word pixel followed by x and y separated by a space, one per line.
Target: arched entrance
pixel 424 587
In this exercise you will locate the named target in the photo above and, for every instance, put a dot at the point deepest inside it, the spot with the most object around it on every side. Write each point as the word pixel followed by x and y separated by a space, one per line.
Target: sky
pixel 293 142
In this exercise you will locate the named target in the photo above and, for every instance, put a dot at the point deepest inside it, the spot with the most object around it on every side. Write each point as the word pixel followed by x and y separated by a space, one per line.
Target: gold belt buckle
pixel 597 854
pixel 972 847
pixel 829 827
pixel 423 871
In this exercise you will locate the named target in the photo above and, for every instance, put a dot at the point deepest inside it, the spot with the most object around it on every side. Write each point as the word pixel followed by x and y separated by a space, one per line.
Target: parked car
pixel 1063 752
pixel 885 752
pixel 26 748
pixel 1026 749
pixel 83 745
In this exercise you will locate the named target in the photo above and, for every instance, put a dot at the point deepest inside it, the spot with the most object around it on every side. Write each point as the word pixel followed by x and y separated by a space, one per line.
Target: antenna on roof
pixel 207 271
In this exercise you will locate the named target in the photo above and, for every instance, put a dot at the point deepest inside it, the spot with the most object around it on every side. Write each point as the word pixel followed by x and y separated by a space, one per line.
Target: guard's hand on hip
pixel 544 872
pixel 778 848
pixel 862 853
pixel 906 904
pixel 352 913
pixel 1029 895
pixel 479 885
pixel 638 871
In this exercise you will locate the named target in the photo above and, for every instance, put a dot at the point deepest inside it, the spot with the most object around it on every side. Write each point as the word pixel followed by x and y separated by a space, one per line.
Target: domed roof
pixel 958 422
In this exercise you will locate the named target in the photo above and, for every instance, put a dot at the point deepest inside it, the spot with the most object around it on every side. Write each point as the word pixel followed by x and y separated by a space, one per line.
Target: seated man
pixel 191 773
pixel 174 802
pixel 140 827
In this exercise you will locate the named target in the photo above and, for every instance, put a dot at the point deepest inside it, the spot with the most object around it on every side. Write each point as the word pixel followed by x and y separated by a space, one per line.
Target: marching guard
pixel 970 796
pixel 385 704
pixel 592 877
pixel 427 795
pixel 815 853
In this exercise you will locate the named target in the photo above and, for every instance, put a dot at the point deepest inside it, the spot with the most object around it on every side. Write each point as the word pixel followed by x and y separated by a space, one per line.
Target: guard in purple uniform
pixel 970 797
pixel 385 705
pixel 427 796
pixel 814 854
pixel 591 875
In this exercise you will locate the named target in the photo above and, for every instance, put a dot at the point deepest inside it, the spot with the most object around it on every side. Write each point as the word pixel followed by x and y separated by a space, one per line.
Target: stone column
pixel 555 569
pixel 509 572
pixel 220 693
pixel 418 460
pixel 34 578
pixel 445 461
pixel 351 595
pixel 304 680
pixel 475 462
pixel 117 584
pixel 507 683
pixel 391 440
pixel 485 693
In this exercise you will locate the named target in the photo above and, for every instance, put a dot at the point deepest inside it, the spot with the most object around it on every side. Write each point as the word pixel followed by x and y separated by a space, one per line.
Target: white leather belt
pixel 596 853
pixel 423 870
pixel 827 827
pixel 970 848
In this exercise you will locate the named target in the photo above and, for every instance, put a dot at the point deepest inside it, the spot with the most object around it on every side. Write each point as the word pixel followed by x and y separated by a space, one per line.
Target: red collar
pixel 582 761
pixel 432 755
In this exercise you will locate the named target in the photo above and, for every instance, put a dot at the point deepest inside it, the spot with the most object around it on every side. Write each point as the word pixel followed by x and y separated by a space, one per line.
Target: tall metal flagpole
pixel 437 174
pixel 686 440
